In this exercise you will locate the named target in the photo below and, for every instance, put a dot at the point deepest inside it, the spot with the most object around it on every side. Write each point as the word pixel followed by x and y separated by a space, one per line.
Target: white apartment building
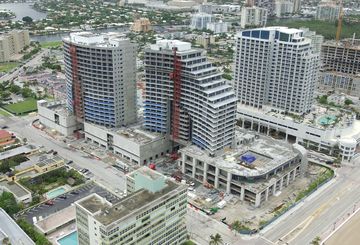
pixel 100 74
pixel 253 16
pixel 276 67
pixel 187 97
pixel 282 7
pixel 200 20
pixel 327 10
pixel 11 43
pixel 218 27
pixel 153 213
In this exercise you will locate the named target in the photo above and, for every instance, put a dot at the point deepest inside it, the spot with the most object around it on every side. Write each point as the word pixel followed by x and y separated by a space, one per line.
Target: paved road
pixel 36 60
pixel 315 217
pixel 104 174
pixel 318 213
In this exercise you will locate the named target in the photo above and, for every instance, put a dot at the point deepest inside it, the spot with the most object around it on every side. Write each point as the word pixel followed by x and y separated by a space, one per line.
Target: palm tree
pixel 215 240
pixel 236 225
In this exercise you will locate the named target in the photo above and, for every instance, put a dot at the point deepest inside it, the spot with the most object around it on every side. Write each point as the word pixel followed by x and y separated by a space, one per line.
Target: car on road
pixel 74 193
pixel 70 162
pixel 63 197
pixel 4 127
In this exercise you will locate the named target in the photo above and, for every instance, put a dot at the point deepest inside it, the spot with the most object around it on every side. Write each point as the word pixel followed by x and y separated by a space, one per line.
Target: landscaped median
pixel 323 178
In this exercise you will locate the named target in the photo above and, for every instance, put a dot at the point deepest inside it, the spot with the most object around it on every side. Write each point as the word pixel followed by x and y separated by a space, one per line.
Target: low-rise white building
pixel 55 116
pixel 336 132
pixel 134 144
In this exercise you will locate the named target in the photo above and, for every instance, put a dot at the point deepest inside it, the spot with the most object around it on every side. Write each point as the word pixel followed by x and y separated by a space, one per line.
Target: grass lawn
pixel 22 107
pixel 53 44
pixel 327 29
pixel 8 66
pixel 4 113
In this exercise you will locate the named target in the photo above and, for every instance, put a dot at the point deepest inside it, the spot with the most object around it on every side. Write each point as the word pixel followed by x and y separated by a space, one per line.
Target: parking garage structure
pixel 256 169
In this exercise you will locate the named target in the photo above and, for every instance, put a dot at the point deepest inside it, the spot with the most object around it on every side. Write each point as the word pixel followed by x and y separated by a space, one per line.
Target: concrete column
pixel 274 189
pixel 259 126
pixel 288 178
pixel 286 137
pixel 205 172
pixel 194 168
pixel 294 175
pixel 217 177
pixel 267 194
pixel 228 183
pixel 268 130
pixel 319 147
pixel 252 124
pixel 281 183
pixel 242 194
pixel 183 162
pixel 243 123
pixel 257 200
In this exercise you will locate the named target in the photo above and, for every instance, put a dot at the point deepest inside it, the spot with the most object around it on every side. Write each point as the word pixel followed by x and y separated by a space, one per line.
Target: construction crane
pixel 176 77
pixel 340 20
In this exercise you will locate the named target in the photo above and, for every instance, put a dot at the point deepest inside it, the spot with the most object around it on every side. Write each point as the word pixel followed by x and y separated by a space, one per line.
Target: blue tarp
pixel 248 158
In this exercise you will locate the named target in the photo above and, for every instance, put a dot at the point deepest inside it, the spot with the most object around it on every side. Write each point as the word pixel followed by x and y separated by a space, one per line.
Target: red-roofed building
pixel 6 138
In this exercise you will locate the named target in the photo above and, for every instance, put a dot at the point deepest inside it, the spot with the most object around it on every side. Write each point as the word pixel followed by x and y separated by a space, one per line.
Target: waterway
pixel 23 9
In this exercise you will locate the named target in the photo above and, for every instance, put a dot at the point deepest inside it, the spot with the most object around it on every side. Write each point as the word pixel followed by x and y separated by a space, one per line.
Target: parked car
pixel 49 202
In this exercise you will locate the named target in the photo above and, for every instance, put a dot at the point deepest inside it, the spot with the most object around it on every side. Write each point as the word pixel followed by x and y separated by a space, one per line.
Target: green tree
pixel 14 88
pixel 27 19
pixel 348 102
pixel 323 99
pixel 215 239
pixel 37 237
pixel 8 203
pixel 27 93
pixel 316 241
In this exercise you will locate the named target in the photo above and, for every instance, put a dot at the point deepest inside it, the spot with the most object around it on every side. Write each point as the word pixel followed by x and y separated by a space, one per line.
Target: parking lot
pixel 43 210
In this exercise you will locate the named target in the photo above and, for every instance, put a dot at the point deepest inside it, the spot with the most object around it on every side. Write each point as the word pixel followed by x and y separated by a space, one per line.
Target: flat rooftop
pixel 56 220
pixel 136 134
pixel 144 170
pixel 268 153
pixel 103 40
pixel 320 117
pixel 25 149
pixel 56 106
pixel 12 230
pixel 14 188
pixel 48 161
pixel 348 43
pixel 107 214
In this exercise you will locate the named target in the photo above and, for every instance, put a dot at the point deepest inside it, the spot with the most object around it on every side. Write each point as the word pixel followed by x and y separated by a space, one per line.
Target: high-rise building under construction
pixel 187 98
pixel 100 78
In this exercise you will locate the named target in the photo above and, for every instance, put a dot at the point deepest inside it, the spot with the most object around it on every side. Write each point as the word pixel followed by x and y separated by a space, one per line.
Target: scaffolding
pixel 77 101
pixel 176 76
